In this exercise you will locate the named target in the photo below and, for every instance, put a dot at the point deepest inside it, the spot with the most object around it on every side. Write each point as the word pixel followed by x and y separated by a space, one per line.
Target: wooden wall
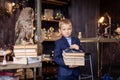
pixel 84 16
pixel 7 24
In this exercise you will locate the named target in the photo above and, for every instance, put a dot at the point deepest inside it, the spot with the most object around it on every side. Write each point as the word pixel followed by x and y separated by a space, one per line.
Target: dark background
pixel 84 15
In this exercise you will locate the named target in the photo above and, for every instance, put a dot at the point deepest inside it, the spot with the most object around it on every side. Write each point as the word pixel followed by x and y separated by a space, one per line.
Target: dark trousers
pixel 72 77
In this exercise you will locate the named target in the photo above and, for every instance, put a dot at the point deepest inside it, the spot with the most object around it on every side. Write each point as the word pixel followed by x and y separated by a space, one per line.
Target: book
pixel 9 78
pixel 74 59
pixel 34 59
pixel 26 60
pixel 11 74
pixel 19 60
pixel 74 54
pixel 7 73
pixel 78 63
pixel 25 50
pixel 18 73
pixel 25 46
pixel 26 54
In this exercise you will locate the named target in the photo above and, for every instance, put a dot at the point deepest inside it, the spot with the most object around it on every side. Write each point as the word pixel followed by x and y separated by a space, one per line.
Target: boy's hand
pixel 74 46
pixel 72 66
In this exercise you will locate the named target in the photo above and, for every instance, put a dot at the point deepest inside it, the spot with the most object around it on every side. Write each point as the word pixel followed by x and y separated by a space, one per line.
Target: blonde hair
pixel 65 21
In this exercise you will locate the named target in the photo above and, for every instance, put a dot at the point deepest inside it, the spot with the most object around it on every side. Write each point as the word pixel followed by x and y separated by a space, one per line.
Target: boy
pixel 65 72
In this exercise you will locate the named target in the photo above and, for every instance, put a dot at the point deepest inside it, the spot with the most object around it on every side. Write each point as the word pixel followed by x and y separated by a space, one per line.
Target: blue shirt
pixel 69 41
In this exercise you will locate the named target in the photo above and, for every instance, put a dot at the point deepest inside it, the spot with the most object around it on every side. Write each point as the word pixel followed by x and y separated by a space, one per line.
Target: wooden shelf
pixel 92 40
pixel 55 2
pixel 51 20
pixel 99 40
pixel 51 39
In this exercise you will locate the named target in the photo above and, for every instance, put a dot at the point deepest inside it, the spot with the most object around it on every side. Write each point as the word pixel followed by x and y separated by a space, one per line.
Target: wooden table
pixel 98 41
pixel 10 65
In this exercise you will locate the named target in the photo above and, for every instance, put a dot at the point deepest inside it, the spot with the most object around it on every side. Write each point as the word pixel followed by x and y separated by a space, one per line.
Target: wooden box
pixel 48 13
pixel 74 59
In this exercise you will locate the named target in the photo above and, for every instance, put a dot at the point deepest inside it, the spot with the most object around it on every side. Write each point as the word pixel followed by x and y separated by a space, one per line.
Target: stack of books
pixel 8 75
pixel 77 59
pixel 25 50
pixel 25 54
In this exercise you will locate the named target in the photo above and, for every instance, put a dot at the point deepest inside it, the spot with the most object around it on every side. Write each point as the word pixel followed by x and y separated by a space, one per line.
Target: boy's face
pixel 66 30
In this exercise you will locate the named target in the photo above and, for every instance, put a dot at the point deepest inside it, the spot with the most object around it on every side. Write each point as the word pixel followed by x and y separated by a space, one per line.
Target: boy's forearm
pixel 60 62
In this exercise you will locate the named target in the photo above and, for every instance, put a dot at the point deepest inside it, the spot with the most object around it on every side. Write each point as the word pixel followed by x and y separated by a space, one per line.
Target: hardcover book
pixel 26 60
pixel 74 59
pixel 25 50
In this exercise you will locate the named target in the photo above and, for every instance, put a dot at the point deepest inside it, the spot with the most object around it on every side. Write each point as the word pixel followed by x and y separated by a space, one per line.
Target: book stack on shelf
pixel 77 59
pixel 25 50
pixel 28 72
pixel 8 75
pixel 25 54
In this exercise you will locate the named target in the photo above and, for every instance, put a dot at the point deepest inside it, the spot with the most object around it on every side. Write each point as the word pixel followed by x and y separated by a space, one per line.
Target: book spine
pixel 24 50
pixel 7 74
pixel 25 46
pixel 25 54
